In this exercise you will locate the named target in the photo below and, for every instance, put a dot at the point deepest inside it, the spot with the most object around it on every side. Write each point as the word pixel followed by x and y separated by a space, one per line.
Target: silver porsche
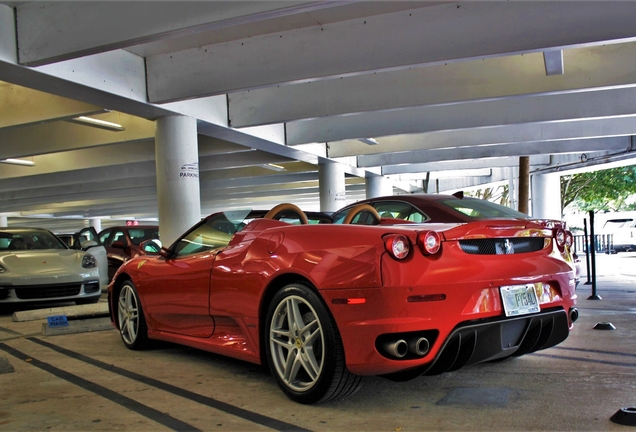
pixel 36 267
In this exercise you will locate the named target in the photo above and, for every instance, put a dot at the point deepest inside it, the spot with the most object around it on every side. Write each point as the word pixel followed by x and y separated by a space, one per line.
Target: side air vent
pixel 502 246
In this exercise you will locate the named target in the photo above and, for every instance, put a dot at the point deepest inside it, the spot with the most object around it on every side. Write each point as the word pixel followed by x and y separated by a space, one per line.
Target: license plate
pixel 519 299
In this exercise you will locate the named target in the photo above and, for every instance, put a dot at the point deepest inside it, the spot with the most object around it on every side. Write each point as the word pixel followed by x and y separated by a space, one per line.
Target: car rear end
pixel 460 294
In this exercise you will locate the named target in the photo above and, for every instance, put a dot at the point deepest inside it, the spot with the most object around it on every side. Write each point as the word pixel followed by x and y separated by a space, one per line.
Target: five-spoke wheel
pixel 304 348
pixel 132 324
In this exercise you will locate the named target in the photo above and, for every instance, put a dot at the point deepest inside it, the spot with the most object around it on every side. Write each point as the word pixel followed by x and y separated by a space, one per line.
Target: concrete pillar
pixel 3 222
pixel 95 223
pixel 177 160
pixel 546 196
pixel 378 186
pixel 331 180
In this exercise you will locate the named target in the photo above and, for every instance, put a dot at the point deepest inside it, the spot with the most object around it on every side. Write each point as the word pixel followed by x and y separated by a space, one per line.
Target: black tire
pixel 130 318
pixel 309 335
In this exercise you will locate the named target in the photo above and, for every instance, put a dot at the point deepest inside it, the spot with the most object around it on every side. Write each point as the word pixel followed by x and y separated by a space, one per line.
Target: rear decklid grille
pixel 500 237
pixel 502 246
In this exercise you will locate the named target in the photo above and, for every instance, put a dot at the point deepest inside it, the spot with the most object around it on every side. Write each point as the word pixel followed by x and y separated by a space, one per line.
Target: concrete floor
pixel 90 381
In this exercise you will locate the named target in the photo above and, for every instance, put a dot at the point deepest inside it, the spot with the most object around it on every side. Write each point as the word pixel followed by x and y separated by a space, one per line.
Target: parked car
pixel 37 267
pixel 124 242
pixel 325 304
pixel 623 233
pixel 86 240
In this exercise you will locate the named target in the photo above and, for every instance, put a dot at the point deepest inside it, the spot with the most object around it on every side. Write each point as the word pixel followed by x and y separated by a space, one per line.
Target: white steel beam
pixel 51 32
pixel 463 164
pixel 389 41
pixel 496 112
pixel 21 106
pixel 534 132
pixel 485 78
pixel 475 152
pixel 61 136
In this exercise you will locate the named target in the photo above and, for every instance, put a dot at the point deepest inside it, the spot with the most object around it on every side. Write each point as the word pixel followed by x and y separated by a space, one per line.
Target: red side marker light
pixel 349 301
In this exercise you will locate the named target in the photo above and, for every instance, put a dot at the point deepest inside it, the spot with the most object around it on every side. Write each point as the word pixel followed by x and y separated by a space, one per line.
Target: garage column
pixel 95 223
pixel 3 222
pixel 331 182
pixel 378 186
pixel 177 165
pixel 546 196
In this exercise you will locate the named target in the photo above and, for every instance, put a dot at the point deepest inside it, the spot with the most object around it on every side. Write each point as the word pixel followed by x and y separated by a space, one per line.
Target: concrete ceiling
pixel 459 90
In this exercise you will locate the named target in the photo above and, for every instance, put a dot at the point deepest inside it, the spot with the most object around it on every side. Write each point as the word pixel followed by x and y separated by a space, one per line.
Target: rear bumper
pixel 472 343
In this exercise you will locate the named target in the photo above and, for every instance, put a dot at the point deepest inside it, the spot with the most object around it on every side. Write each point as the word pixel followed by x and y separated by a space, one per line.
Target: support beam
pixel 481 114
pixel 522 149
pixel 534 132
pixel 177 159
pixel 546 196
pixel 481 79
pixel 331 178
pixel 62 136
pixel 57 31
pixel 524 184
pixel 474 30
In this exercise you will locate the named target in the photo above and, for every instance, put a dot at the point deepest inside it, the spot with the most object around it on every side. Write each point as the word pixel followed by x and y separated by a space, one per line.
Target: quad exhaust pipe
pixel 419 346
pixel 574 314
pixel 399 348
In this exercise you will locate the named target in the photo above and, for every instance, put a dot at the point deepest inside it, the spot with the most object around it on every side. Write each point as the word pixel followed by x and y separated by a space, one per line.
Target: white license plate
pixel 519 299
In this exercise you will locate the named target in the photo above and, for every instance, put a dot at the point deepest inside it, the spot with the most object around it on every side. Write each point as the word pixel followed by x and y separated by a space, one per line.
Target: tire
pixel 130 318
pixel 304 349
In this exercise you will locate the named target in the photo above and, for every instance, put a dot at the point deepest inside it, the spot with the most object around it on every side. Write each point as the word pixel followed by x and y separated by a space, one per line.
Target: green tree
pixel 599 190
pixel 497 194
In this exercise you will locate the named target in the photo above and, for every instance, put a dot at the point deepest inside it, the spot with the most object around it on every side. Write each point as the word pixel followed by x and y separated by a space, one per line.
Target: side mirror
pixel 151 246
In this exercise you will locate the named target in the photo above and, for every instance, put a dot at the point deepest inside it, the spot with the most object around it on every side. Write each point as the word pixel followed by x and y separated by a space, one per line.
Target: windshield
pixel 615 224
pixel 482 209
pixel 213 232
pixel 29 240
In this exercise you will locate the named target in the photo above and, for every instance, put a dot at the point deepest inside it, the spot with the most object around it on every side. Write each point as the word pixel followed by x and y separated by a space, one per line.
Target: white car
pixel 36 267
pixel 87 240
pixel 623 231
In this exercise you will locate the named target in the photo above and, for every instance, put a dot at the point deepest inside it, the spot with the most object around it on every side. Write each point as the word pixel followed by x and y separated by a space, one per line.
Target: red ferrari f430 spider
pixel 398 287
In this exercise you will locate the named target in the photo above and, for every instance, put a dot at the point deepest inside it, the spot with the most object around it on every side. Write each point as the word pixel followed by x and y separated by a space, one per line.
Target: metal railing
pixel 602 242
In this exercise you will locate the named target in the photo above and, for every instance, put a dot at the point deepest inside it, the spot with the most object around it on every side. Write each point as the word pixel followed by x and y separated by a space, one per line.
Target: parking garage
pixel 220 106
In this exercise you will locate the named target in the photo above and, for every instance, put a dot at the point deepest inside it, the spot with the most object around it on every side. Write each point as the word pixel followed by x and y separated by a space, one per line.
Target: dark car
pixel 124 242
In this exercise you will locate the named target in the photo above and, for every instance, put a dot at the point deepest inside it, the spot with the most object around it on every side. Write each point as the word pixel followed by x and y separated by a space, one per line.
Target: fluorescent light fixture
pixel 103 124
pixel 273 167
pixel 20 162
pixel 369 141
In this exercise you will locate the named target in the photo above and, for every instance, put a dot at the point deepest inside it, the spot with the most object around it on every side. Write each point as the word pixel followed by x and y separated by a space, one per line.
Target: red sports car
pixel 325 304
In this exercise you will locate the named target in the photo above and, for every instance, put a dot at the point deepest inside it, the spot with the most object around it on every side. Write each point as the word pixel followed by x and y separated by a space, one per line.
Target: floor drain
pixel 625 416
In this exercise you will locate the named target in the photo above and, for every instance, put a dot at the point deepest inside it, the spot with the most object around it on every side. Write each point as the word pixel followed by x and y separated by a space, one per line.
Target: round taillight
pixel 559 237
pixel 569 239
pixel 429 242
pixel 398 246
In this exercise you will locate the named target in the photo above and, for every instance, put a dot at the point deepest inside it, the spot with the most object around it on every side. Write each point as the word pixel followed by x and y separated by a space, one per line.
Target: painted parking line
pixel 186 394
pixel 115 397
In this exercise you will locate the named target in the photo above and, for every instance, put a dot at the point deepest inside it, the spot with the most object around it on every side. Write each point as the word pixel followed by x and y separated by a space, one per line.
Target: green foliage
pixel 498 194
pixel 599 190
